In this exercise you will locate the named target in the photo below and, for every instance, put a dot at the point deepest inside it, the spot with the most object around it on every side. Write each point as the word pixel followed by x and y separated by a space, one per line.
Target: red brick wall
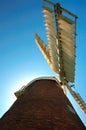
pixel 43 106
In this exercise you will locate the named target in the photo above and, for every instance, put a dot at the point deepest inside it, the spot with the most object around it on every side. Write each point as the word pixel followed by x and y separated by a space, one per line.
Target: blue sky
pixel 20 58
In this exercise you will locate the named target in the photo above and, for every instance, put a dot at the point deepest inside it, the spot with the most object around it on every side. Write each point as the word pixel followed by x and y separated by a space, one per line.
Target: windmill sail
pixel 60 32
pixel 77 98
pixel 48 53
pixel 60 50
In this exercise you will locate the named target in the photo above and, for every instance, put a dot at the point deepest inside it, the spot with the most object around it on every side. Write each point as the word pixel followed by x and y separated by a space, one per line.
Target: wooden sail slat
pixel 66 24
pixel 48 13
pixel 66 40
pixel 68 20
pixel 47 8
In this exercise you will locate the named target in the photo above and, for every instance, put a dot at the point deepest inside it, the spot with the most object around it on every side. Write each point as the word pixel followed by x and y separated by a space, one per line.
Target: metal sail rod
pixel 48 1
pixel 61 70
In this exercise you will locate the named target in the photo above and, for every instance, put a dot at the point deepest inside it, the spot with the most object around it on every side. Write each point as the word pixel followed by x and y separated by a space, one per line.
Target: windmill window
pixel 71 109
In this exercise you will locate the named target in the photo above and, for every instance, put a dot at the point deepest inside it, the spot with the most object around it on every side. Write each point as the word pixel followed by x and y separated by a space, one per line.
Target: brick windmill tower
pixel 42 104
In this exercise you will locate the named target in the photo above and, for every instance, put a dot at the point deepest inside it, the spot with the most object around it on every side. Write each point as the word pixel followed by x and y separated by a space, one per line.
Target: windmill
pixel 61 48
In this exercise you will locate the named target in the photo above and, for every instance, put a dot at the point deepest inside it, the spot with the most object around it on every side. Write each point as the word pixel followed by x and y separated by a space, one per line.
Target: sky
pixel 20 59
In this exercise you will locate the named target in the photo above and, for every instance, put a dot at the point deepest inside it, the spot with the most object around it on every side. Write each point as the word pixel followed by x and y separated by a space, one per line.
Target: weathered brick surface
pixel 43 106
